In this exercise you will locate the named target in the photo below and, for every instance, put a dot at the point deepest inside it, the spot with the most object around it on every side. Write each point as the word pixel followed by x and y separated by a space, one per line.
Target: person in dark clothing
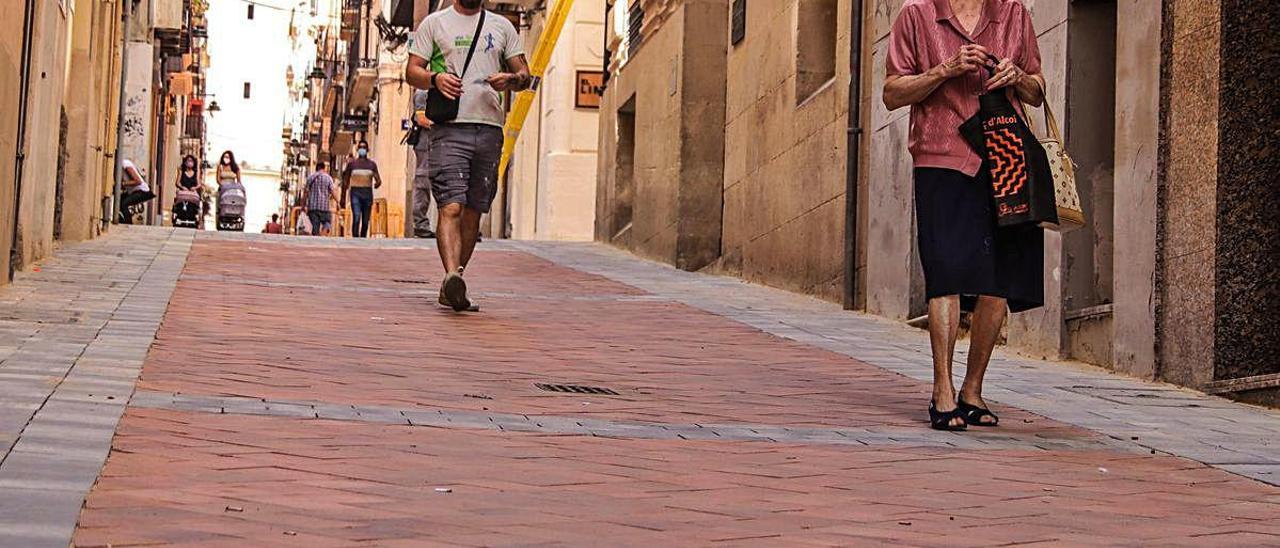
pixel 360 177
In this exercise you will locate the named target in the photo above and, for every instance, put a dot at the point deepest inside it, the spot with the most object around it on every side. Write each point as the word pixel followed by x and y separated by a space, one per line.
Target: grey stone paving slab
pixel 625 429
pixel 1205 428
pixel 80 329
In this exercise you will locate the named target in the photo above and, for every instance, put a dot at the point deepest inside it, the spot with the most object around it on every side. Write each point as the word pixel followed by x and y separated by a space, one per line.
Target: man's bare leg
pixel 449 236
pixel 470 233
pixel 988 318
pixel 944 327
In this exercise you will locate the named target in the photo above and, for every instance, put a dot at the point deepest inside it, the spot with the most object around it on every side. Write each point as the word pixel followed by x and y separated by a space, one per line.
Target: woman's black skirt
pixel 962 250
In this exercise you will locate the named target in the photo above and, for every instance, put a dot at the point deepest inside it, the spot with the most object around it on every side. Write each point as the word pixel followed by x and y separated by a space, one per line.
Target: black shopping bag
pixel 1021 182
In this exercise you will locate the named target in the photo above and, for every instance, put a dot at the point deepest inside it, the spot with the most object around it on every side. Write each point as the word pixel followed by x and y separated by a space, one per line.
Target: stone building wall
pixel 44 114
pixel 10 84
pixel 785 140
pixel 659 187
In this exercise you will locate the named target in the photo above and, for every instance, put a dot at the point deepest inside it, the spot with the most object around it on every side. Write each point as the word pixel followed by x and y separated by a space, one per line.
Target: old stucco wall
pixel 48 77
pixel 553 183
pixel 674 85
pixel 1138 24
pixel 87 91
pixel 10 66
pixel 784 179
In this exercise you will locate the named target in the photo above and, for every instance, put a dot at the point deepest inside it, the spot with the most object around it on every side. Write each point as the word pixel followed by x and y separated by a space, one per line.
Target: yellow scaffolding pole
pixel 537 67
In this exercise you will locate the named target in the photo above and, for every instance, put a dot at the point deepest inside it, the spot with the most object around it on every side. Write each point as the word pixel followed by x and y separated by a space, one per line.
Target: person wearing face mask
pixel 187 175
pixel 359 179
pixel 464 152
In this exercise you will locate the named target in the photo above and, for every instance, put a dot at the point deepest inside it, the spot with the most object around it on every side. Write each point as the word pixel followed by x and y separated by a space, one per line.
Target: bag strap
pixel 1049 119
pixel 474 40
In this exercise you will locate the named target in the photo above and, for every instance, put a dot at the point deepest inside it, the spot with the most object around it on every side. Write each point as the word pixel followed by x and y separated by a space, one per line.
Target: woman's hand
pixel 1006 74
pixel 970 58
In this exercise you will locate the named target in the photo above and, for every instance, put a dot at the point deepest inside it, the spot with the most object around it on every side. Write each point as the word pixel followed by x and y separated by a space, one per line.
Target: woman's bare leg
pixel 944 326
pixel 988 318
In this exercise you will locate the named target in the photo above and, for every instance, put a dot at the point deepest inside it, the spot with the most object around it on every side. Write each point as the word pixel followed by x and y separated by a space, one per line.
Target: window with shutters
pixel 739 22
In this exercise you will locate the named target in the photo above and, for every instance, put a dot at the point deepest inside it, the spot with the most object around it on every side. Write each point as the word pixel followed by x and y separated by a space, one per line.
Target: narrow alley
pixel 197 395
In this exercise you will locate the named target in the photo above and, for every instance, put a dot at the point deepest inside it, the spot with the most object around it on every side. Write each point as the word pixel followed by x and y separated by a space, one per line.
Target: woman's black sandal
pixel 973 414
pixel 941 420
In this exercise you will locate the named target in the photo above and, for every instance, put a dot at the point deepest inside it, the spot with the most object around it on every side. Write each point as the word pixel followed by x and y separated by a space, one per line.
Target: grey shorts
pixel 319 220
pixel 463 162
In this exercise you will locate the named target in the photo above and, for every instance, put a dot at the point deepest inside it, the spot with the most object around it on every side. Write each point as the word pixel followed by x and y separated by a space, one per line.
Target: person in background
pixel 274 226
pixel 465 151
pixel 134 190
pixel 421 173
pixel 319 190
pixel 187 175
pixel 228 170
pixel 359 179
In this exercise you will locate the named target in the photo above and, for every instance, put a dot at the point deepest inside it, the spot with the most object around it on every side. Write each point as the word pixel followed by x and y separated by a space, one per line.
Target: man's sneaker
pixel 426 234
pixel 454 291
pixel 445 303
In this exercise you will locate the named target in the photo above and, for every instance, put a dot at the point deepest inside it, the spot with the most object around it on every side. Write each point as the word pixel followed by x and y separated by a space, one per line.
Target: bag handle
pixel 1049 119
pixel 474 40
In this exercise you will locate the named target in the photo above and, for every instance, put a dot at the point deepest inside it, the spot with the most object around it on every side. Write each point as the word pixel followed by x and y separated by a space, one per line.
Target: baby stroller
pixel 186 209
pixel 231 200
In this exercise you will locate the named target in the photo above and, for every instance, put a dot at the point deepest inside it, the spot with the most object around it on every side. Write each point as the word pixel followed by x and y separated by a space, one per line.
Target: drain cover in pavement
pixel 411 281
pixel 575 389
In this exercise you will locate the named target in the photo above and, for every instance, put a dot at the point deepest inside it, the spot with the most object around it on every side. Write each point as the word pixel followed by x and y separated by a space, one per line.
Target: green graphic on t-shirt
pixel 438 63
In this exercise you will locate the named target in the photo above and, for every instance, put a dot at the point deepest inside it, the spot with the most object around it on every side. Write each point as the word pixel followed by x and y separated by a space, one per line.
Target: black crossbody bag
pixel 441 109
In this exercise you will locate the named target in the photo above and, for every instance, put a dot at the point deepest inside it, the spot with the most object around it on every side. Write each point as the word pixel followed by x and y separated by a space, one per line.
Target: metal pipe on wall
pixel 116 188
pixel 853 154
pixel 24 93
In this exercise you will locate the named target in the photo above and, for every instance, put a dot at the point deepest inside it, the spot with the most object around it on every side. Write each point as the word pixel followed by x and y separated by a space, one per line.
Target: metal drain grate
pixel 576 389
pixel 424 282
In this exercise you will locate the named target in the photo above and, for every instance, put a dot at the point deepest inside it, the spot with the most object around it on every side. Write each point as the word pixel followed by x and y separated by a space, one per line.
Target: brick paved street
pixel 308 392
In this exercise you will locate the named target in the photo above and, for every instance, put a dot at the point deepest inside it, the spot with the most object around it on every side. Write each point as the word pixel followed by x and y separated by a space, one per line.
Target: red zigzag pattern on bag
pixel 1008 167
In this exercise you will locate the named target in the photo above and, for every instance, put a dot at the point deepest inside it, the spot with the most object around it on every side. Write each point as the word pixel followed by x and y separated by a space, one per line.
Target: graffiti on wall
pixel 136 121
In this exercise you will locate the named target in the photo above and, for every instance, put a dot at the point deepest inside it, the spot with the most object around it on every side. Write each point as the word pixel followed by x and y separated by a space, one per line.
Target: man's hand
pixel 421 119
pixel 1007 74
pixel 449 85
pixel 970 58
pixel 506 81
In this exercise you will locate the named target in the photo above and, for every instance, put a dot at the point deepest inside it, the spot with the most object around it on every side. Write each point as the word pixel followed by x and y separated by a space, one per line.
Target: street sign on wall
pixel 590 86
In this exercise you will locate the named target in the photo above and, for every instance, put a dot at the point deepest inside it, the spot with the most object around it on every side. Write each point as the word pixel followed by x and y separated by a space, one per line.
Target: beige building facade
pixel 550 187
pixel 725 137
pixel 61 66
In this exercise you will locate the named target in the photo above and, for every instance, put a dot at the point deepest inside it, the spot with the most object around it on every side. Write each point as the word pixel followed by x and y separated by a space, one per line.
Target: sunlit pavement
pixel 308 391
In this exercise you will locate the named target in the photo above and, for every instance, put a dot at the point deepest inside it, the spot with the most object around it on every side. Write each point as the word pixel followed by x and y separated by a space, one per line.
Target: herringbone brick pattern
pixel 351 326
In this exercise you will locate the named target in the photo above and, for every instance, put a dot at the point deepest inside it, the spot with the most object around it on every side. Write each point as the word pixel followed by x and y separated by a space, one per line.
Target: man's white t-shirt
pixel 443 39
pixel 125 165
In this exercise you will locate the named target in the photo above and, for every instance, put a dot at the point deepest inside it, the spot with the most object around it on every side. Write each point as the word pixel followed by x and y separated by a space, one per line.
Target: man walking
pixel 315 200
pixel 421 174
pixel 461 52
pixel 361 177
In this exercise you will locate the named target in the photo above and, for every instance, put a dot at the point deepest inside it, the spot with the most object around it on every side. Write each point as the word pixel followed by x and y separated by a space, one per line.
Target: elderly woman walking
pixel 943 55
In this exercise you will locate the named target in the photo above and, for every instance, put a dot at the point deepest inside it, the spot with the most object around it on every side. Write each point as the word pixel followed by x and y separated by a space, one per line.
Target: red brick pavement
pixel 232 480
pixel 673 363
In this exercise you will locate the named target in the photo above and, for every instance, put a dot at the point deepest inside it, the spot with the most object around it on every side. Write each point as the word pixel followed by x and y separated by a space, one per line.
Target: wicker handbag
pixel 1070 213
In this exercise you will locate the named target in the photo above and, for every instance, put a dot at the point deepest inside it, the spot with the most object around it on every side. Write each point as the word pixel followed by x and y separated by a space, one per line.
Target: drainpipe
pixel 28 35
pixel 853 156
pixel 124 77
